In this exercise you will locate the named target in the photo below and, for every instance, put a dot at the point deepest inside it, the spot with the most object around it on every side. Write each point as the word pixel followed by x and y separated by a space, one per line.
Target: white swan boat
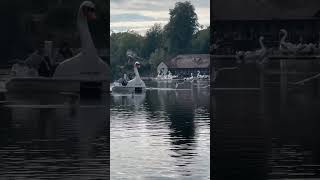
pixel 136 85
pixel 191 78
pixel 253 56
pixel 165 77
pixel 202 77
pixel 86 70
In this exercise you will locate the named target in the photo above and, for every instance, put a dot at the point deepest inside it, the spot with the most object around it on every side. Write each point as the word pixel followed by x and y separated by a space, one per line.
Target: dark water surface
pixel 162 134
pixel 265 137
pixel 55 141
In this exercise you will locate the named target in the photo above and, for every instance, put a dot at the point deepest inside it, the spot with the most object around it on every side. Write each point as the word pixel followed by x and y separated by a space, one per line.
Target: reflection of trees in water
pixel 175 110
pixel 153 104
pixel 180 110
pixel 128 102
pixel 201 97
pixel 179 106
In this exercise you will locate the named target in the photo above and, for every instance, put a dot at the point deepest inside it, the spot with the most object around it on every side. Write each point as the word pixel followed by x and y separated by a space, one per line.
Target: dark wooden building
pixel 237 25
pixel 186 64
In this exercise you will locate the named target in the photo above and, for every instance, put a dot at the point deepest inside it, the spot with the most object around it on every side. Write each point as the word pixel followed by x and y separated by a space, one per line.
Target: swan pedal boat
pixel 84 71
pixel 136 85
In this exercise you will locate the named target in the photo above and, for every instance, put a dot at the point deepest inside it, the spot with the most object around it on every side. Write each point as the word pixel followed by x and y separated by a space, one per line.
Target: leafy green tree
pixel 153 40
pixel 201 42
pixel 182 25
pixel 120 43
pixel 158 56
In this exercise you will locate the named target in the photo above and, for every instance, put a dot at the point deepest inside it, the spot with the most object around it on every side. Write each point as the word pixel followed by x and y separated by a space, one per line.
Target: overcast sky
pixel 139 15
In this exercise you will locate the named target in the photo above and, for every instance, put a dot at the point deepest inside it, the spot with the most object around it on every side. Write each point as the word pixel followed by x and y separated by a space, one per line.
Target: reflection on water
pixel 55 141
pixel 260 137
pixel 163 134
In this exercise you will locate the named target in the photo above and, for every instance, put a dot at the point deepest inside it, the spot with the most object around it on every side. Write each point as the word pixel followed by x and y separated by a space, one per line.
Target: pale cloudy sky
pixel 139 15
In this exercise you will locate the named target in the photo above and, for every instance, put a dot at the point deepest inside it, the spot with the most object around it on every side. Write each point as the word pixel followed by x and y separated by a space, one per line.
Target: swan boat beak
pixel 137 64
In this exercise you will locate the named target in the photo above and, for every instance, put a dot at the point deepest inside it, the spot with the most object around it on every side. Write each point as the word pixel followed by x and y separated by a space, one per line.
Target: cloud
pixel 130 17
pixel 139 15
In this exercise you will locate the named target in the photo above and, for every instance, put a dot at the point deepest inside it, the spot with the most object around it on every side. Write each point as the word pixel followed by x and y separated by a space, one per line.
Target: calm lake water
pixel 265 137
pixel 55 141
pixel 161 134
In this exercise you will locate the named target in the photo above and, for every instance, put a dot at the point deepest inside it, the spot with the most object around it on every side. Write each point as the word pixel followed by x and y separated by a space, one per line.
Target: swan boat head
pixel 136 81
pixel 137 64
pixel 283 34
pixel 261 38
pixel 87 65
pixel 283 31
pixel 88 10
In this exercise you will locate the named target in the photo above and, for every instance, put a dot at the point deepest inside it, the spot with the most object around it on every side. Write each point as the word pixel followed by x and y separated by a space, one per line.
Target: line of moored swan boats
pixel 285 48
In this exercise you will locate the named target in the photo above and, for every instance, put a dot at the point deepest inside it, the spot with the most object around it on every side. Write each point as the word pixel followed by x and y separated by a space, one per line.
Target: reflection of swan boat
pixel 136 85
pixel 129 99
pixel 83 71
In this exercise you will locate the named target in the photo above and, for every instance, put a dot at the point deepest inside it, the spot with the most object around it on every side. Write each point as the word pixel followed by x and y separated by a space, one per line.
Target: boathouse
pixel 186 64
pixel 162 68
pixel 238 27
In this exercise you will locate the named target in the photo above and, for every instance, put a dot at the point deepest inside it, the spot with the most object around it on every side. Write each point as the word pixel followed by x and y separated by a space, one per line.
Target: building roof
pixel 264 9
pixel 190 61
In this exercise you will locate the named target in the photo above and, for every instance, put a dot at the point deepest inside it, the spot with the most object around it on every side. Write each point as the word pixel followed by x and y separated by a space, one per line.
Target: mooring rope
pixel 307 79
pixel 221 69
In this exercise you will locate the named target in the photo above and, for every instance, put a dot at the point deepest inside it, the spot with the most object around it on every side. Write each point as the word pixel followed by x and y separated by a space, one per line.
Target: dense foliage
pixel 182 35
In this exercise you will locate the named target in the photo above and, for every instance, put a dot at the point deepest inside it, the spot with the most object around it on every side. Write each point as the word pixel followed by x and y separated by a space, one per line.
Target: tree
pixel 201 42
pixel 158 56
pixel 119 44
pixel 182 25
pixel 153 40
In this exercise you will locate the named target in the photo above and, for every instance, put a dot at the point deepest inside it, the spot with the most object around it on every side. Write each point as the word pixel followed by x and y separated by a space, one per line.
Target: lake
pixel 161 134
pixel 42 138
pixel 264 136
